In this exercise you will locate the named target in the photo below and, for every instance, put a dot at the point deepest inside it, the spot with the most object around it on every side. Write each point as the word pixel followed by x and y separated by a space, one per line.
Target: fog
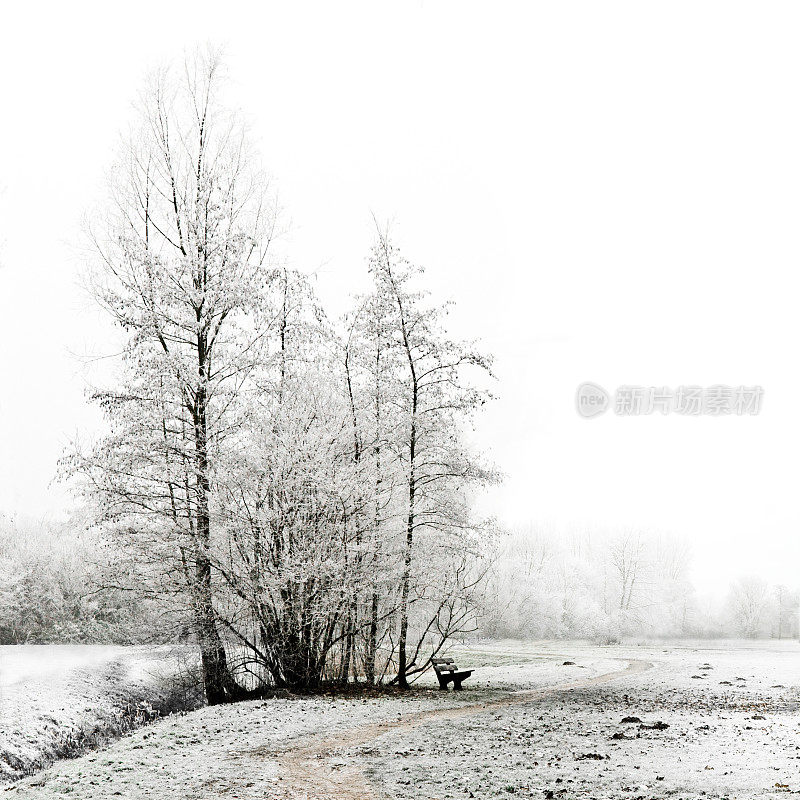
pixel 592 220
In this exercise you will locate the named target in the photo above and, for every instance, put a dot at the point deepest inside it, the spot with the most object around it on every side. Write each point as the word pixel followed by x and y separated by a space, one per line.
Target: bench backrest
pixel 444 664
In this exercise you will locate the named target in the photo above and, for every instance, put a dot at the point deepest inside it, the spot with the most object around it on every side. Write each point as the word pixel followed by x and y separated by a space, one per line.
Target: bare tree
pixel 786 609
pixel 748 603
pixel 434 400
pixel 253 469
pixel 183 272
pixel 627 559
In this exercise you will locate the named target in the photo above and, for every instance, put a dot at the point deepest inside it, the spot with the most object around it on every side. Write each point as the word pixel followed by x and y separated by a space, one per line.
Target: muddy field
pixel 694 720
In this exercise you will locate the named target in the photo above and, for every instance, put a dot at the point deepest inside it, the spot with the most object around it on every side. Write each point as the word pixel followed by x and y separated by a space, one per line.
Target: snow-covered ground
pixel 61 700
pixel 33 663
pixel 529 725
pixel 717 721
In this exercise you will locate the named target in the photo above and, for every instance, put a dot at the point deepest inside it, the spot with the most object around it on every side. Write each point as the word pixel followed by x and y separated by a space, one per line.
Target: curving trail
pixel 306 772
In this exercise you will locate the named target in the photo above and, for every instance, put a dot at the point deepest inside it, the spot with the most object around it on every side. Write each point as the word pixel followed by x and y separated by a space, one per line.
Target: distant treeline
pixel 51 588
pixel 609 585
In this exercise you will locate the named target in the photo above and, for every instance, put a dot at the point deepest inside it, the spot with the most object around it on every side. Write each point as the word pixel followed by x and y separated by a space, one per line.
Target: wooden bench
pixel 447 671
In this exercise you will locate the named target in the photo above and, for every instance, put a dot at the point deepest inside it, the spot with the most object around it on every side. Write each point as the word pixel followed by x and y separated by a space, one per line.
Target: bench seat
pixel 447 672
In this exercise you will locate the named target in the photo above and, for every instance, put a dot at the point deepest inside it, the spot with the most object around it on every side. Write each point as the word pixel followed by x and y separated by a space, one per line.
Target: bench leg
pixel 457 685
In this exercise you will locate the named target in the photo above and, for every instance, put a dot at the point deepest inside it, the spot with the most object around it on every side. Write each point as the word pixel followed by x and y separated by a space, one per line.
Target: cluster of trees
pixel 54 587
pixel 47 574
pixel 584 584
pixel 293 492
pixel 755 609
pixel 608 586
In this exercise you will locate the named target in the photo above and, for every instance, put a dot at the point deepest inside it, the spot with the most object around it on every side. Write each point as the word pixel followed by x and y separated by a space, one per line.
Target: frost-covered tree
pixel 49 588
pixel 292 501
pixel 787 604
pixel 182 270
pixel 748 605
pixel 299 492
pixel 434 400
pixel 591 583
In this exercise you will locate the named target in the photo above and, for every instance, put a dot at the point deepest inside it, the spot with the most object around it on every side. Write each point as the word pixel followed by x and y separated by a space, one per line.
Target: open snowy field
pixel 715 721
pixel 61 700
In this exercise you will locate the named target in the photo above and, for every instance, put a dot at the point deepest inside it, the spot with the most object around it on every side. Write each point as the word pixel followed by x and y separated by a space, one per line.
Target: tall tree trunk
pixel 217 680
pixel 402 666
pixel 372 633
pixel 372 639
pixel 216 675
pixel 402 660
pixel 344 674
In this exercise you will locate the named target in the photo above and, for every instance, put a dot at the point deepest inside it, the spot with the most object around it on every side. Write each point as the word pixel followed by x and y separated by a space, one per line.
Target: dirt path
pixel 307 772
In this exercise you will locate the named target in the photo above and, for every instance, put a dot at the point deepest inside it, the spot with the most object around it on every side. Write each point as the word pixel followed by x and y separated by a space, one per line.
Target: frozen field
pixel 716 721
pixel 61 700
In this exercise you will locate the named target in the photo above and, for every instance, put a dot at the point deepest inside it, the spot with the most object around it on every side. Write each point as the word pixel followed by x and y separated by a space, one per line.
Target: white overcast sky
pixel 609 192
